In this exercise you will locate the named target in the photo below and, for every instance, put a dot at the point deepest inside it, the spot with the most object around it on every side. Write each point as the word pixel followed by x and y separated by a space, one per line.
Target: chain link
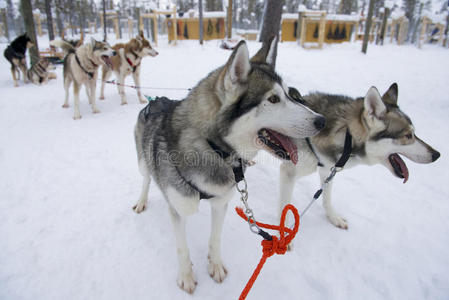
pixel 248 211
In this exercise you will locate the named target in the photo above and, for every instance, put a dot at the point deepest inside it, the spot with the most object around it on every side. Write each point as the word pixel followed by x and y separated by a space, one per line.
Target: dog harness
pixel 131 63
pixel 347 150
pixel 91 74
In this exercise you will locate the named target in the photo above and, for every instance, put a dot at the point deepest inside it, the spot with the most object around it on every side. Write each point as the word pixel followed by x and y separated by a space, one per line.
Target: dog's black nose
pixel 435 155
pixel 114 53
pixel 319 122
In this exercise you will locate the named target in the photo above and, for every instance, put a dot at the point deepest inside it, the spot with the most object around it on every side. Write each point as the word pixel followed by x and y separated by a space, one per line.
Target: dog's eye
pixel 274 99
pixel 409 136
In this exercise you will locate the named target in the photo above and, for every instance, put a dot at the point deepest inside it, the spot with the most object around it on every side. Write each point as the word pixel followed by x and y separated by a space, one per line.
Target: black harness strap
pixel 313 151
pixel 347 149
pixel 91 74
pixel 237 170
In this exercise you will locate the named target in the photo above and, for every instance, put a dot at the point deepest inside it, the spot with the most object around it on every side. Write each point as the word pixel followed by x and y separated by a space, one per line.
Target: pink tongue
pixel 403 166
pixel 288 145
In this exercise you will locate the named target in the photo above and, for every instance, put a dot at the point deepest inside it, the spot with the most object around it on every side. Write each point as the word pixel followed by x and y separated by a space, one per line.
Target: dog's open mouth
pixel 107 60
pixel 281 145
pixel 399 166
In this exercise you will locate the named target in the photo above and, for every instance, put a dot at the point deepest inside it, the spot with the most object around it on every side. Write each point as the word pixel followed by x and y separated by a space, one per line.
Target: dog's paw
pixel 138 208
pixel 124 102
pixel 187 282
pixel 96 111
pixel 290 246
pixel 16 85
pixel 338 221
pixel 101 98
pixel 65 105
pixel 217 271
pixel 76 117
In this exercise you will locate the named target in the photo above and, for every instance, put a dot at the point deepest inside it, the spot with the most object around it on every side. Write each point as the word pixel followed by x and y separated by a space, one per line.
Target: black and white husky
pixel 190 147
pixel 380 132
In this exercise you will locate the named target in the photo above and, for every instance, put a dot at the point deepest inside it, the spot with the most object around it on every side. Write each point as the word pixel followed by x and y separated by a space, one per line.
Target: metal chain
pixel 248 211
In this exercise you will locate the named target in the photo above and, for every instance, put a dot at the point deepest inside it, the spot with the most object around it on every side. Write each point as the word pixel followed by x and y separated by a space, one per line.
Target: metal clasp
pixel 248 211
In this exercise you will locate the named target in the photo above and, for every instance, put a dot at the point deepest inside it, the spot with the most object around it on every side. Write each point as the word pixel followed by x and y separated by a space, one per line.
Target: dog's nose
pixel 319 122
pixel 156 53
pixel 435 155
pixel 114 53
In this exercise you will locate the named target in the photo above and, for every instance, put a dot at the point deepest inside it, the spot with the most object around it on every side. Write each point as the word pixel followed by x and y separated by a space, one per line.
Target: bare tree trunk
pixel 380 37
pixel 200 8
pixel 58 18
pixel 27 14
pixel 229 19
pixel 271 21
pixel 5 23
pixel 105 35
pixel 51 34
pixel 416 25
pixel 368 22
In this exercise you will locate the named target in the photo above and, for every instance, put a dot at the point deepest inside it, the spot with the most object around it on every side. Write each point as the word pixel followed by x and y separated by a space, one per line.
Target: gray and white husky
pixel 237 109
pixel 40 72
pixel 380 131
pixel 81 67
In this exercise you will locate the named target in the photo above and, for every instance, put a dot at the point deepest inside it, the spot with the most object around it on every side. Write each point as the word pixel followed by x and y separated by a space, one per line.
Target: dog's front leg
pixel 76 97
pixel 121 89
pixel 331 214
pixel 215 267
pixel 106 73
pixel 180 207
pixel 91 86
pixel 136 77
pixel 24 70
pixel 13 72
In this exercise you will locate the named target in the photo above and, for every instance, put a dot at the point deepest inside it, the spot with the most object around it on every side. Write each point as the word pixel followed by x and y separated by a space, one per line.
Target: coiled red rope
pixel 275 245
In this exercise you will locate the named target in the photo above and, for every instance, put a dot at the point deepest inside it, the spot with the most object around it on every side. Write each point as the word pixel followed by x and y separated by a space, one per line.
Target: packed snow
pixel 67 230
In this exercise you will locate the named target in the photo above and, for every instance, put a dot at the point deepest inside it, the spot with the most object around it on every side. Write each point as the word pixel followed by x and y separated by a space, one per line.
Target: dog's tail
pixel 65 46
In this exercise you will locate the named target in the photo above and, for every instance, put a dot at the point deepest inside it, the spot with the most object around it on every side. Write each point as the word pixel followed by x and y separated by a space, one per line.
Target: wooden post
pixel 155 29
pixel 229 19
pixel 423 32
pixel 321 30
pixel 303 30
pixel 200 8
pixel 175 32
pixel 369 19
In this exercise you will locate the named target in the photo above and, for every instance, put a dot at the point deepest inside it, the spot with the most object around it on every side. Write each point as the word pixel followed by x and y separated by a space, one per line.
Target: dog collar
pixel 91 74
pixel 94 64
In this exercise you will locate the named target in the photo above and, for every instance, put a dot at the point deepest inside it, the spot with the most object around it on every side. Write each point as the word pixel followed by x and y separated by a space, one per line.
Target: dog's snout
pixel 319 122
pixel 435 155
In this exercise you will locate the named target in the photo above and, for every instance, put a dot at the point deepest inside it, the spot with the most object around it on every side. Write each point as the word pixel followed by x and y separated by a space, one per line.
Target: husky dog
pixel 127 62
pixel 191 147
pixel 15 54
pixel 39 73
pixel 380 131
pixel 80 67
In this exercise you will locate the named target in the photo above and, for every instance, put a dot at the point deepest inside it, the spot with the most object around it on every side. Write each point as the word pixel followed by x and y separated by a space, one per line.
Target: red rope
pixel 275 246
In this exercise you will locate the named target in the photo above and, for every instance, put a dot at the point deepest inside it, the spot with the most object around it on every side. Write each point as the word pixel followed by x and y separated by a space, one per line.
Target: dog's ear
pixel 294 94
pixel 267 53
pixel 238 66
pixel 391 96
pixel 93 41
pixel 373 104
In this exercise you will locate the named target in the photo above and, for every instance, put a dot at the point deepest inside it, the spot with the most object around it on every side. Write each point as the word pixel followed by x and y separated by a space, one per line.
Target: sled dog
pixel 80 67
pixel 127 62
pixel 190 147
pixel 381 132
pixel 15 54
pixel 40 72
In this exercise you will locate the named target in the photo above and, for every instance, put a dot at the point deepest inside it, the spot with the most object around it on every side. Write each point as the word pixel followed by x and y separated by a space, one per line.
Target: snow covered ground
pixel 67 230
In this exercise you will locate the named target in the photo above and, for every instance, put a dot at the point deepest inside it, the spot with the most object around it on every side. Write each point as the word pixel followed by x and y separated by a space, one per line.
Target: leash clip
pixel 334 171
pixel 248 211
